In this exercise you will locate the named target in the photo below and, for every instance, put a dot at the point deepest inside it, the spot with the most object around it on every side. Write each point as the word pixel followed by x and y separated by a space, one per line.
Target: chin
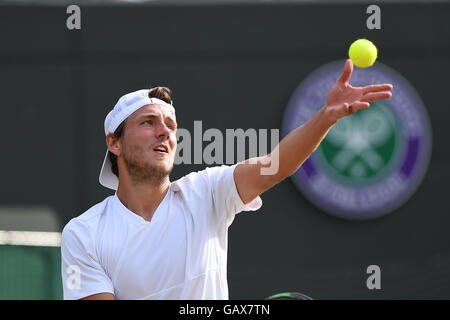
pixel 163 167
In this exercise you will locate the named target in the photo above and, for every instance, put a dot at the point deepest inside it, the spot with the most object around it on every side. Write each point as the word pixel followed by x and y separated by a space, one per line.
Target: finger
pixel 373 96
pixel 354 107
pixel 377 88
pixel 348 69
pixel 359 105
pixel 347 109
pixel 350 109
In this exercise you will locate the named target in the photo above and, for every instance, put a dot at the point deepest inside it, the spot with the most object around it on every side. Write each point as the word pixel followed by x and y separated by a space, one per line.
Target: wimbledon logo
pixel 370 162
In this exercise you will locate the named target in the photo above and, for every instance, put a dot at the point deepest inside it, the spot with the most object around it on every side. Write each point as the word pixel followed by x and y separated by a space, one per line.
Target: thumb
pixel 347 72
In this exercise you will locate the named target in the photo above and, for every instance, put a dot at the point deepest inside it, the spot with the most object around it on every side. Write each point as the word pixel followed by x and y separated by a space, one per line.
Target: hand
pixel 343 99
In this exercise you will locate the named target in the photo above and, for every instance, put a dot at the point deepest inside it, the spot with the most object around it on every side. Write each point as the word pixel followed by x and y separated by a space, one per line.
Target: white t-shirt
pixel 180 254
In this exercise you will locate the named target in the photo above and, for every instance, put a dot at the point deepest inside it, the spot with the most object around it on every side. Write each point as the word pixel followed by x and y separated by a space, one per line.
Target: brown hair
pixel 162 93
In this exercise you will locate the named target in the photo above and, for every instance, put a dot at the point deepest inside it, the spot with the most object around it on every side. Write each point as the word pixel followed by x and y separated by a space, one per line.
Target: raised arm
pixel 256 175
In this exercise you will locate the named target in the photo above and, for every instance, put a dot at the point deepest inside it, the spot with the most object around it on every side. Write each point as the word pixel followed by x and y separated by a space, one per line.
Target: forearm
pixel 298 145
pixel 256 175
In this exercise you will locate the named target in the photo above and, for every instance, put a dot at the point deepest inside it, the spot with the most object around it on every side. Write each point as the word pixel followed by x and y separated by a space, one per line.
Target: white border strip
pixel 30 238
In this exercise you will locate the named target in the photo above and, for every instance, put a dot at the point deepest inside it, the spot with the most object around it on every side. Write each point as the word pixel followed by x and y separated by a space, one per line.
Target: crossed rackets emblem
pixel 360 135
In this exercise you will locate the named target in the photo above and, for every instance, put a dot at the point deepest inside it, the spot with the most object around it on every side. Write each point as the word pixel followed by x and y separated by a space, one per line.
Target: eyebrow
pixel 153 115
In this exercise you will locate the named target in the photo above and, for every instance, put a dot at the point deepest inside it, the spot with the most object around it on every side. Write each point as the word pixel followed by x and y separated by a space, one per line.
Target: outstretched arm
pixel 256 175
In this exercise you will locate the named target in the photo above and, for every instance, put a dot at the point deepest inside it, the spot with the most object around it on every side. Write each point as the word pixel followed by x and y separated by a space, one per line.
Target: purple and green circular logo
pixel 371 162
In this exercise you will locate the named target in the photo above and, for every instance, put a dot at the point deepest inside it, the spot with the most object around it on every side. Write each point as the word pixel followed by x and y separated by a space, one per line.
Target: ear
pixel 114 144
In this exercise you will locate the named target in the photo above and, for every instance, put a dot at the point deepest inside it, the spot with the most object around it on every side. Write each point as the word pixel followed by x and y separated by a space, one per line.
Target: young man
pixel 157 239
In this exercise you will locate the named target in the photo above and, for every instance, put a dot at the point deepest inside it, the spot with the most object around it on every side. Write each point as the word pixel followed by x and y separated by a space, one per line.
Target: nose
pixel 162 130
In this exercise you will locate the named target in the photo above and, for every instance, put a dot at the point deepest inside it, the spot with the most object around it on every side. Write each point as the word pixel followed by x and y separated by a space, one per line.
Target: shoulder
pixel 199 180
pixel 220 172
pixel 84 226
pixel 202 187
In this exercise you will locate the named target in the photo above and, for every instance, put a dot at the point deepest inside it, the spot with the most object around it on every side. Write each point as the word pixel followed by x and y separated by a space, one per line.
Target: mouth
pixel 162 149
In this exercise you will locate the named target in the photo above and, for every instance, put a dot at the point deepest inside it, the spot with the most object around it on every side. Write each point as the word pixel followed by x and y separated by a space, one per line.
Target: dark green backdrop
pixel 231 67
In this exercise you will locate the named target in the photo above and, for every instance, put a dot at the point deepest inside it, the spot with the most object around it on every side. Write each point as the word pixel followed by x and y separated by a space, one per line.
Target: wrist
pixel 327 116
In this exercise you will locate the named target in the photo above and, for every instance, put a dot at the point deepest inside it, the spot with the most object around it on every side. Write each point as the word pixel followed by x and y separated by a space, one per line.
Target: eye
pixel 147 121
pixel 170 126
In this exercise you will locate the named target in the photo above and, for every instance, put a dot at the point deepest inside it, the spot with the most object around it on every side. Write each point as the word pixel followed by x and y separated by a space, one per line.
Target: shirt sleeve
pixel 226 199
pixel 82 274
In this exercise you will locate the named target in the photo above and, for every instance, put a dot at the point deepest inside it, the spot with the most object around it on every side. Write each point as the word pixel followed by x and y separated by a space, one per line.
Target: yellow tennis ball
pixel 363 53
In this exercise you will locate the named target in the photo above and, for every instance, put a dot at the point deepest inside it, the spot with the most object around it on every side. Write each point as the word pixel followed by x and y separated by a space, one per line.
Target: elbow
pixel 271 170
pixel 274 179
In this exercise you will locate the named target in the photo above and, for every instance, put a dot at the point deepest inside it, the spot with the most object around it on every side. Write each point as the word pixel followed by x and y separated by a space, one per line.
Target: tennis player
pixel 157 239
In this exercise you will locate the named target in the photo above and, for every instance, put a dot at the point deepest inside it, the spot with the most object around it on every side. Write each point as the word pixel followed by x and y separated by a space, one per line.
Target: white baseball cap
pixel 126 105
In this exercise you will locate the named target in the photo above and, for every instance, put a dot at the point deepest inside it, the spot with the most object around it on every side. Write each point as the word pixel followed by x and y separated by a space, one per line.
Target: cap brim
pixel 107 178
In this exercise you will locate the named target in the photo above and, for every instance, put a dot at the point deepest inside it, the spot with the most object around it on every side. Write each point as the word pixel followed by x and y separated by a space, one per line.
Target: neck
pixel 142 198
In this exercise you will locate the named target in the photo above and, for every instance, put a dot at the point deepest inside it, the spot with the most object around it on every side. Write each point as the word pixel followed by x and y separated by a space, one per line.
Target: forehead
pixel 154 109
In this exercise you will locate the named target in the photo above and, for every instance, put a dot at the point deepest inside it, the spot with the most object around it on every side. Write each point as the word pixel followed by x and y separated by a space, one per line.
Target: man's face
pixel 149 142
